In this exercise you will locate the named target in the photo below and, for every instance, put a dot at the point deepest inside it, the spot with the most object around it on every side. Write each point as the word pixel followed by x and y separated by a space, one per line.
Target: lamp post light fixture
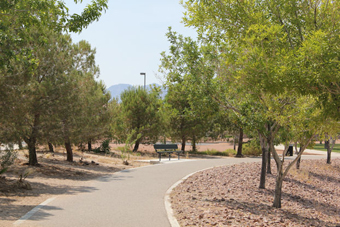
pixel 144 78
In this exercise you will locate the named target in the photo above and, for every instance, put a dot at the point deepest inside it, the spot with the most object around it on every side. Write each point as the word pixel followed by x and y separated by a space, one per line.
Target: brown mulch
pixel 230 196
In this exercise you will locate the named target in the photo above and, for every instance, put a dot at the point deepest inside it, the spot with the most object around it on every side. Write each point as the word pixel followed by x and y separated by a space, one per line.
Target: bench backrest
pixel 165 146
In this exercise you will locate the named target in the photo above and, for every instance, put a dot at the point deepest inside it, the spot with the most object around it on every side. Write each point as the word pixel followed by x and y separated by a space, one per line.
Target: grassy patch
pixel 321 147
pixel 228 152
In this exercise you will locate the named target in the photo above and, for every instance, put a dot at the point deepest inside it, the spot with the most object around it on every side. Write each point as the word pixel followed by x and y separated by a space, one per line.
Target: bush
pixel 104 147
pixel 230 152
pixel 252 148
pixel 6 159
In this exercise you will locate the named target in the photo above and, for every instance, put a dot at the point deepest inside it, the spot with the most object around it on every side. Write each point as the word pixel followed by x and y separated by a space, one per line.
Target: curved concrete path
pixel 129 198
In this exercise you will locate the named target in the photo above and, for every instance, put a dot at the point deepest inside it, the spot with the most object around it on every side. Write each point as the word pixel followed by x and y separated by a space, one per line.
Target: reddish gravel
pixel 229 196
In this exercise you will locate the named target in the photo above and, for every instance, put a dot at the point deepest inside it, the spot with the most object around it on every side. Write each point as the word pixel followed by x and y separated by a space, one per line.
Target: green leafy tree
pixel 191 109
pixel 19 17
pixel 25 103
pixel 275 47
pixel 32 57
pixel 138 116
pixel 81 112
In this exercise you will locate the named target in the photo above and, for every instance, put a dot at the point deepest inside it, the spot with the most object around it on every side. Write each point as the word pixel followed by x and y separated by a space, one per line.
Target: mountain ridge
pixel 117 89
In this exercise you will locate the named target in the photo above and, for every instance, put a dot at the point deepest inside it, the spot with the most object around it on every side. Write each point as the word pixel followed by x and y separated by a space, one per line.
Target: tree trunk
pixel 269 168
pixel 296 147
pixel 89 145
pixel 234 142
pixel 183 144
pixel 326 144
pixel 67 142
pixel 20 144
pixel 32 154
pixel 69 150
pixel 31 142
pixel 299 160
pixel 240 142
pixel 50 147
pixel 328 151
pixel 193 143
pixel 135 148
pixel 278 187
pixel 264 163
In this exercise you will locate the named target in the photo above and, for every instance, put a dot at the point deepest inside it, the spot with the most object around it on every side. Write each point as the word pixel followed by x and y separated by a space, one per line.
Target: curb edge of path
pixel 167 201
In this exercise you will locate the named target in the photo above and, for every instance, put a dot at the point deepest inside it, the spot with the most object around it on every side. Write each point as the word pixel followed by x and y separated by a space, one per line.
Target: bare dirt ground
pixel 56 176
pixel 230 196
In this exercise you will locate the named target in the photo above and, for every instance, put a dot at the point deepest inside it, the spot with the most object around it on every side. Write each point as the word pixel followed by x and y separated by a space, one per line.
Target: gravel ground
pixel 230 196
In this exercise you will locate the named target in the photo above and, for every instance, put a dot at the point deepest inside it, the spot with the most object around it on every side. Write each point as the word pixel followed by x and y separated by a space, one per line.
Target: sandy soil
pixel 229 196
pixel 56 176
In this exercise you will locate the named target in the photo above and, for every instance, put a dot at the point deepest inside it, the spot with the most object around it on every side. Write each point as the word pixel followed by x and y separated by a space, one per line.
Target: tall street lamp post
pixel 144 78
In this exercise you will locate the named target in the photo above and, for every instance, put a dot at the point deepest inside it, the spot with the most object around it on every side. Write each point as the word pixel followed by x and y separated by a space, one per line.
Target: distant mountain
pixel 117 89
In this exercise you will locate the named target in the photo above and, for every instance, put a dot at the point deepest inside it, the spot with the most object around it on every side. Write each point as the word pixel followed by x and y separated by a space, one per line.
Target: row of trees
pixel 270 66
pixel 48 92
pixel 265 68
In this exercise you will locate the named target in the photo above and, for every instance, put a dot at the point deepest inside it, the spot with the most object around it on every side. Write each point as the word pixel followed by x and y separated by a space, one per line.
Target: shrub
pixel 6 159
pixel 104 147
pixel 211 152
pixel 230 152
pixel 252 148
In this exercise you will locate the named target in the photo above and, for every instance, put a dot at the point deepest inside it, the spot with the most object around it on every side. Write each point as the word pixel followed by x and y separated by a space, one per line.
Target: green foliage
pixel 275 48
pixel 138 117
pixel 24 174
pixel 321 147
pixel 190 110
pixel 19 17
pixel 125 152
pixel 213 152
pixel 39 67
pixel 103 148
pixel 252 148
pixel 6 159
pixel 230 152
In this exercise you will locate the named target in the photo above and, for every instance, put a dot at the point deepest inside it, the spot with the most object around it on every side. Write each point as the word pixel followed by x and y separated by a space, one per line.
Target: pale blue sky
pixel 130 36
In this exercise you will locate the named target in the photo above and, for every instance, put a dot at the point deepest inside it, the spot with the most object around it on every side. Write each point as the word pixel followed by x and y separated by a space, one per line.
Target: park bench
pixel 166 148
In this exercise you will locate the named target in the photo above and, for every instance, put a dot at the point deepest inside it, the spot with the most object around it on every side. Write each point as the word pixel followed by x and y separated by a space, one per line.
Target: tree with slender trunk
pixel 139 116
pixel 240 143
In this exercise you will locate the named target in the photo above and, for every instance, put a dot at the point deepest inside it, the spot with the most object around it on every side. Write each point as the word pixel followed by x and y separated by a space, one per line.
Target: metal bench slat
pixel 165 146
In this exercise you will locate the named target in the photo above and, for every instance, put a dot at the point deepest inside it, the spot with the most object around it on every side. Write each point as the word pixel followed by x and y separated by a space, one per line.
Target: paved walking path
pixel 129 198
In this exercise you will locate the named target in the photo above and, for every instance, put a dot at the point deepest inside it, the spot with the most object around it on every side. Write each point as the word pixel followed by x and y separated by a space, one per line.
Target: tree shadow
pixel 11 211
pixel 56 169
pixel 260 209
pixel 15 212
pixel 309 186
pixel 306 203
pixel 325 177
